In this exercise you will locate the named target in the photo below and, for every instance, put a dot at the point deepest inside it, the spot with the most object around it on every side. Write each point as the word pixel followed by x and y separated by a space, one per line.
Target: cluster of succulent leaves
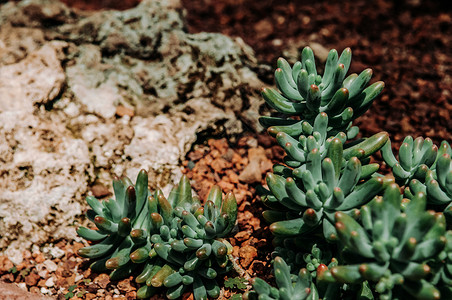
pixel 175 242
pixel 386 236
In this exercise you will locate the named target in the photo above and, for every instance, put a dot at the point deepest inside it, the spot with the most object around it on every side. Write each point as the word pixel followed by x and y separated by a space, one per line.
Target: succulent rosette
pixel 114 219
pixel 305 198
pixel 391 247
pixel 304 93
pixel 177 242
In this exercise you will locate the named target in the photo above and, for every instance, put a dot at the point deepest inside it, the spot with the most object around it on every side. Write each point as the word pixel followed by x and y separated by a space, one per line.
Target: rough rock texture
pixel 86 96
pixel 43 168
pixel 11 291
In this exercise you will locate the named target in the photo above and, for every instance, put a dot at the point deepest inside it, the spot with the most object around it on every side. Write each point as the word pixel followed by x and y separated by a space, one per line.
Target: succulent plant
pixel 290 287
pixel 300 285
pixel 179 242
pixel 191 244
pixel 443 265
pixel 114 220
pixel 304 93
pixel 307 197
pixel 437 182
pixel 415 159
pixel 310 260
pixel 391 246
pixel 313 137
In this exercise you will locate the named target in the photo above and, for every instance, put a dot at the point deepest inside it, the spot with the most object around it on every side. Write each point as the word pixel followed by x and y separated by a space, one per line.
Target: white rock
pixel 50 265
pixel 50 282
pixel 54 251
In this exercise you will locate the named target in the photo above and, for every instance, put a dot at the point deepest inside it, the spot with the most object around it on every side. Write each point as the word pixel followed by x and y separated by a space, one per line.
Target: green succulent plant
pixel 443 275
pixel 437 183
pixel 114 220
pixel 178 242
pixel 289 286
pixel 328 191
pixel 316 137
pixel 301 285
pixel 307 197
pixel 304 93
pixel 415 159
pixel 391 247
pixel 192 243
pixel 311 260
pixel 313 137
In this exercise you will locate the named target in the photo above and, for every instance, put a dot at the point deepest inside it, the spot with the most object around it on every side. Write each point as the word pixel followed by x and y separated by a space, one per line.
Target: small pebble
pixel 50 282
pixel 55 252
pixel 22 285
pixel 50 265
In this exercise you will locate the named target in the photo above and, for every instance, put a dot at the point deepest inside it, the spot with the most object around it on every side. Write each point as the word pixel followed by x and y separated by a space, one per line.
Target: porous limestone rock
pixel 64 76
pixel 44 170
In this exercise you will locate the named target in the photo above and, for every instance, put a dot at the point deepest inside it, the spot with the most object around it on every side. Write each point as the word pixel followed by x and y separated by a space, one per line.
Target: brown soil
pixel 407 43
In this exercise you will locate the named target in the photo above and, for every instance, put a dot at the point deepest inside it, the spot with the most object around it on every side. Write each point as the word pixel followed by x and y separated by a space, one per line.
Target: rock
pixel 263 28
pixel 32 279
pixel 5 264
pixel 45 167
pixel 251 173
pixel 122 111
pixel 53 251
pixel 167 140
pixel 258 164
pixel 100 191
pixel 247 255
pixel 16 43
pixel 37 79
pixel 102 280
pixel 50 265
pixel 104 93
pixel 320 51
pixel 50 282
pixel 12 291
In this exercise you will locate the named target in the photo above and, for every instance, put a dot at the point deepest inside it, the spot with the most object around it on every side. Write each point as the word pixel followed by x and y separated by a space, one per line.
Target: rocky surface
pixel 12 292
pixel 85 96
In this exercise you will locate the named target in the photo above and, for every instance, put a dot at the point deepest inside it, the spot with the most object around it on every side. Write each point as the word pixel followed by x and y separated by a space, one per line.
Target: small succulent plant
pixel 313 137
pixel 178 242
pixel 391 247
pixel 415 159
pixel 437 183
pixel 192 243
pixel 317 189
pixel 114 220
pixel 311 260
pixel 301 285
pixel 290 287
pixel 304 93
